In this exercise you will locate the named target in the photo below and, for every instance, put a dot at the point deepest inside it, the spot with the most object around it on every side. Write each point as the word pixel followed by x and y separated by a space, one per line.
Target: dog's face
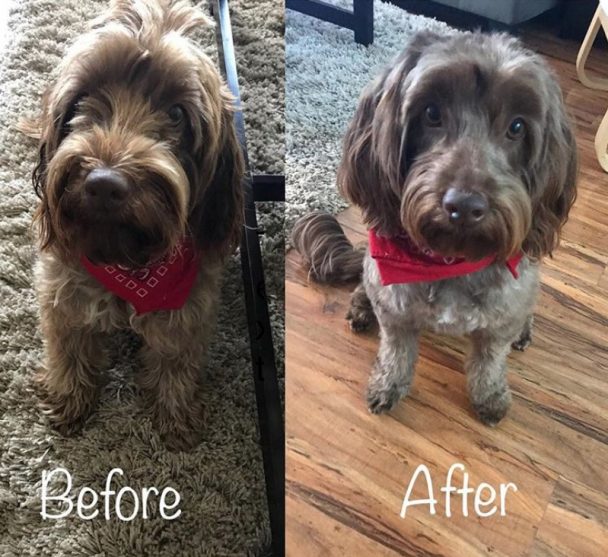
pixel 464 143
pixel 138 147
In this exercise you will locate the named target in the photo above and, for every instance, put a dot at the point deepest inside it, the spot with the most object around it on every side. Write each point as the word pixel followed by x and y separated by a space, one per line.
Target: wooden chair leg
pixel 583 53
pixel 601 143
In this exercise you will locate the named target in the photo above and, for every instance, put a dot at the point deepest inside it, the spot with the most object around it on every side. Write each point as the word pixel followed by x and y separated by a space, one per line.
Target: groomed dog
pixel 462 160
pixel 139 179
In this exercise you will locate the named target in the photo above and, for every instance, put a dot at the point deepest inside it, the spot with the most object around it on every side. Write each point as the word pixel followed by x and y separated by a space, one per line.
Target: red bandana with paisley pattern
pixel 162 285
pixel 400 261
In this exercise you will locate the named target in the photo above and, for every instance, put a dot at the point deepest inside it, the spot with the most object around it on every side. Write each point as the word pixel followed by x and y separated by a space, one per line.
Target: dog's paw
pixel 68 428
pixel 493 409
pixel 180 440
pixel 66 413
pixel 180 434
pixel 522 343
pixel 383 399
pixel 360 319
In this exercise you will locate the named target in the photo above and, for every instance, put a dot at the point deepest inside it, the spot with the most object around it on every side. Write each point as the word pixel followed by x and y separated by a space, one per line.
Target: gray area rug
pixel 221 482
pixel 325 74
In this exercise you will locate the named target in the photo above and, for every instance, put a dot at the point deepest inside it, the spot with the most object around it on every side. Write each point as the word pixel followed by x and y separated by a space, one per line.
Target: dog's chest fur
pixel 491 298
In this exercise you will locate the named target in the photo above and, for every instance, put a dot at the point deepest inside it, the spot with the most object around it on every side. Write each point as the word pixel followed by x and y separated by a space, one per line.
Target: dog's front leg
pixel 69 380
pixel 394 367
pixel 170 379
pixel 486 370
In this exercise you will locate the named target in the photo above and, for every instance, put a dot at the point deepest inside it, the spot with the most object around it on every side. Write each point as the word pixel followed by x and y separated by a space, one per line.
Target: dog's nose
pixel 105 187
pixel 465 207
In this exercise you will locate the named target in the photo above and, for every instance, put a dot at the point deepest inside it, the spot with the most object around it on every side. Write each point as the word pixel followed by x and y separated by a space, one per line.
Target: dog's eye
pixel 516 129
pixel 432 115
pixel 176 114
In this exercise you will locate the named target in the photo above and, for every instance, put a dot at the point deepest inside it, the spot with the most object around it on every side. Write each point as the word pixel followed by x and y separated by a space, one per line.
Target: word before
pixel 87 499
pixel 483 502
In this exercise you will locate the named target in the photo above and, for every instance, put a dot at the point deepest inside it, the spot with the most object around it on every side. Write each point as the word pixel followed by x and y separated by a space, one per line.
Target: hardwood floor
pixel 348 470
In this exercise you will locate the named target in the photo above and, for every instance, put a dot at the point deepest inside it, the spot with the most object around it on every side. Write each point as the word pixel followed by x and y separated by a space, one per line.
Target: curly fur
pixel 398 162
pixel 110 107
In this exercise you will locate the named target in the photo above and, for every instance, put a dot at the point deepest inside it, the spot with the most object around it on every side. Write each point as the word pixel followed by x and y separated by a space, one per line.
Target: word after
pixel 487 500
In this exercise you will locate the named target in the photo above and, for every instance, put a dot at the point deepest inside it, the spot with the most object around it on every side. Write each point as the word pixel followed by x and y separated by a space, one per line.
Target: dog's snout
pixel 105 187
pixel 465 207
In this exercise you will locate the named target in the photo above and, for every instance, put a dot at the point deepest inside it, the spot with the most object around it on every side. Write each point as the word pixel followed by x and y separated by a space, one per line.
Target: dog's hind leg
pixel 360 316
pixel 525 339
pixel 486 370
pixel 393 369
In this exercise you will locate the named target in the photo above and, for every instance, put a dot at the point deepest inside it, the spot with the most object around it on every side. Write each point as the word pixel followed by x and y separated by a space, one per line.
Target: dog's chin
pixel 124 245
pixel 100 255
pixel 471 245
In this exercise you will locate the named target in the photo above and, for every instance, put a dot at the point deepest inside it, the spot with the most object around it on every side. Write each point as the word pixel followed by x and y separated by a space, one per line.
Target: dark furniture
pixel 569 19
pixel 488 15
pixel 575 20
pixel 507 12
pixel 258 188
pixel 360 20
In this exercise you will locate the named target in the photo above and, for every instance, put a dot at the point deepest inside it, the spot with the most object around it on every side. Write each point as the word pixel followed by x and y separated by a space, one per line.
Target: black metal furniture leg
pixel 268 187
pixel 268 399
pixel 360 20
pixel 363 11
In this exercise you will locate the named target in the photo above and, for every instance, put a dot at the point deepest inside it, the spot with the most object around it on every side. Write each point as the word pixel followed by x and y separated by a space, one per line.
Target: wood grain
pixel 347 471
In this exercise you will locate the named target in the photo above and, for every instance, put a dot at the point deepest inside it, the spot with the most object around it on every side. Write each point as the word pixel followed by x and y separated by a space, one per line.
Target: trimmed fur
pixel 439 117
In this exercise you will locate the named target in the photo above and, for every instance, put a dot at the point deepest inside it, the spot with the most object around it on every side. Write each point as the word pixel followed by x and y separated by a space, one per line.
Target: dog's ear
pixel 54 127
pixel 552 177
pixel 217 213
pixel 373 166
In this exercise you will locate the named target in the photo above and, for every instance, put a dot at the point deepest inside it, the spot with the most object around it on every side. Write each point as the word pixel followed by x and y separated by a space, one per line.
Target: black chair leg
pixel 363 11
pixel 360 20
pixel 268 187
pixel 270 415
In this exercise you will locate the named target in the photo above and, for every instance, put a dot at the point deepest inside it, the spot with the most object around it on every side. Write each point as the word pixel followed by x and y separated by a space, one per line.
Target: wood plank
pixel 323 535
pixel 574 524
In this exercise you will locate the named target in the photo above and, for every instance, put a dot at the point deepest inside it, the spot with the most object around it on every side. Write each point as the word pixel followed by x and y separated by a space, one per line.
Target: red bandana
pixel 164 285
pixel 400 261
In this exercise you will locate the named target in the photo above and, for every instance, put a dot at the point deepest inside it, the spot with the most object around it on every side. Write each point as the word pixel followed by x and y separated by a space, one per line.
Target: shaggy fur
pixel 476 114
pixel 137 97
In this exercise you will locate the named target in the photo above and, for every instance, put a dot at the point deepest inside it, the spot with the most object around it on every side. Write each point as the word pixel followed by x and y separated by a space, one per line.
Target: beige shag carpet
pixel 221 482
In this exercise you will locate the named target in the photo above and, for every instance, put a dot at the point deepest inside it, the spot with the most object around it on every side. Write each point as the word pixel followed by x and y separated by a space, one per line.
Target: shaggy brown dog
pixel 138 152
pixel 460 151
